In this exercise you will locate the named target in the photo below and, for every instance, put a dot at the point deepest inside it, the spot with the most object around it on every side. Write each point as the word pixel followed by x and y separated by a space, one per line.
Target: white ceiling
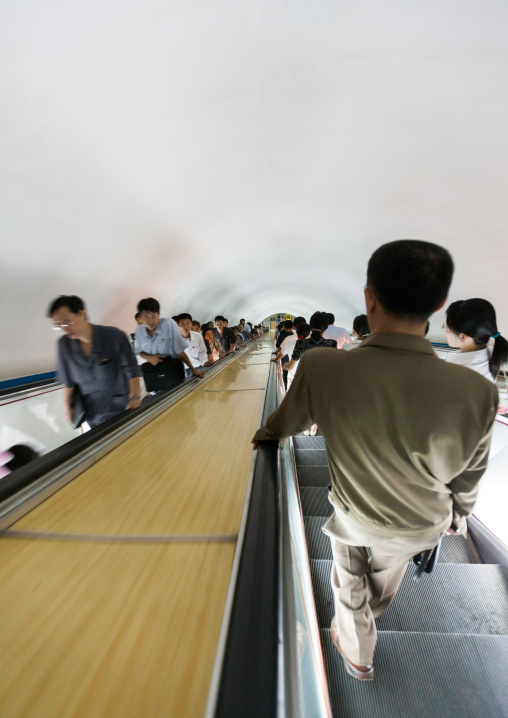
pixel 243 157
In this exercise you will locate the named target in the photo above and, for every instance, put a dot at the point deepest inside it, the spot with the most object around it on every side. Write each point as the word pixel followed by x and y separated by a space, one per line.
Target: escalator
pixel 443 642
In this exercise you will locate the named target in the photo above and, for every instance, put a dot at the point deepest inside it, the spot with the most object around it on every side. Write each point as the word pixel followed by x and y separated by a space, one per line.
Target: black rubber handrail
pixel 19 388
pixel 248 685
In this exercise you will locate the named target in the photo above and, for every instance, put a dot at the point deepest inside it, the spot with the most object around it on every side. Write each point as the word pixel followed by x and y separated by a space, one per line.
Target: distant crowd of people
pixel 471 327
pixel 100 369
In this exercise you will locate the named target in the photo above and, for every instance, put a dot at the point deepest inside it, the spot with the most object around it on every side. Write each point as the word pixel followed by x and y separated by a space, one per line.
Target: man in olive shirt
pixel 407 437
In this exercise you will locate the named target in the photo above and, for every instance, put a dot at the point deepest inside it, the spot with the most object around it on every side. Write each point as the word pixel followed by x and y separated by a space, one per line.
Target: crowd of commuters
pixel 407 434
pixel 100 369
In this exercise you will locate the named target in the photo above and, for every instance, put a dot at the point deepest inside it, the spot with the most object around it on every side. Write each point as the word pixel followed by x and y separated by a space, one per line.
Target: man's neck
pixel 387 325
pixel 151 332
pixel 86 337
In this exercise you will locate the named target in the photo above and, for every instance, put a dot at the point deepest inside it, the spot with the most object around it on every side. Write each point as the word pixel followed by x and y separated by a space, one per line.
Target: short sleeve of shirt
pixel 63 374
pixel 138 339
pixel 298 350
pixel 127 357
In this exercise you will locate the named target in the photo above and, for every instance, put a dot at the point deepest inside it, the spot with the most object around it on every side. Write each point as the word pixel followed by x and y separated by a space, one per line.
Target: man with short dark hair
pixel 160 343
pixel 244 336
pixel 97 361
pixel 246 327
pixel 286 331
pixel 407 437
pixel 225 335
pixel 196 350
pixel 340 334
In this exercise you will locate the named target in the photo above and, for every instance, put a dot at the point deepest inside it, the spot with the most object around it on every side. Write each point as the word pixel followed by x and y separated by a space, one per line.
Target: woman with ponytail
pixel 470 324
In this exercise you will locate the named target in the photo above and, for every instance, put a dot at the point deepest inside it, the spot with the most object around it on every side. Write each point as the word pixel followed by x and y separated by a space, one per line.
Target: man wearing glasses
pixel 95 361
pixel 160 343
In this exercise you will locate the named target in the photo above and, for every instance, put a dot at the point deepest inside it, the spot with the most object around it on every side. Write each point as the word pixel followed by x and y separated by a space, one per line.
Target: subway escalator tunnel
pixel 241 160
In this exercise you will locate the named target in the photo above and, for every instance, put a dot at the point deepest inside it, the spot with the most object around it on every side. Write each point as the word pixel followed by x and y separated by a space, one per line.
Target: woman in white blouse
pixel 470 324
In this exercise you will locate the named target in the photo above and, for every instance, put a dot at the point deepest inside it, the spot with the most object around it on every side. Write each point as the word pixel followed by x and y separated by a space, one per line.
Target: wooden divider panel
pixel 98 630
pixel 113 589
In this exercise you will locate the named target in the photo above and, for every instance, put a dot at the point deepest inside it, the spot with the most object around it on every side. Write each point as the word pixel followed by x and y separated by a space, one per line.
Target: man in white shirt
pixel 196 349
pixel 286 351
pixel 340 334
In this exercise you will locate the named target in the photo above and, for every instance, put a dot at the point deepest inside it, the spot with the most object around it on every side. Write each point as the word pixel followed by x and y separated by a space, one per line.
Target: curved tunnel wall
pixel 238 158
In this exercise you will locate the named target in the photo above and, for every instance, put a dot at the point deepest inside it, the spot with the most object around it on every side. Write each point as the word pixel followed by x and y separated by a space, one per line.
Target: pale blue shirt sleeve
pixel 176 341
pixel 139 337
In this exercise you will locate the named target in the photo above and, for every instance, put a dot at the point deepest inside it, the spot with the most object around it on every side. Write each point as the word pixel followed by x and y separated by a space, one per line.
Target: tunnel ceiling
pixel 239 157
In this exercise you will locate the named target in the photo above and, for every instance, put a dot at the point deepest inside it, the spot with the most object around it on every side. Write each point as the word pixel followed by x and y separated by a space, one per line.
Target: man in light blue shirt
pixel 159 342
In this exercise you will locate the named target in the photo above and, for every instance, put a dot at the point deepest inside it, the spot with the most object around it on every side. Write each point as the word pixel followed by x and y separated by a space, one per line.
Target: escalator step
pixel 457 549
pixel 314 476
pixel 311 457
pixel 421 675
pixel 315 502
pixel 318 544
pixel 454 549
pixel 309 442
pixel 463 598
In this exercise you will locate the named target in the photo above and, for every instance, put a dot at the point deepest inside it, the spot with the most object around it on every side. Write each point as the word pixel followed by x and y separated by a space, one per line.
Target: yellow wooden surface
pixel 107 631
pixel 257 358
pixel 184 473
pixel 238 376
pixel 96 628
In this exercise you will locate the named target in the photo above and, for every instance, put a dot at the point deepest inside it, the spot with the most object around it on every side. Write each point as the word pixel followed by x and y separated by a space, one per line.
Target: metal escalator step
pixel 318 544
pixel 315 502
pixel 423 675
pixel 309 442
pixel 311 457
pixel 454 598
pixel 314 476
pixel 457 549
pixel 454 549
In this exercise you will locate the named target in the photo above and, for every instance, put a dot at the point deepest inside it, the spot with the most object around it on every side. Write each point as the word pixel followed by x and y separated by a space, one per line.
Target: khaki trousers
pixel 364 587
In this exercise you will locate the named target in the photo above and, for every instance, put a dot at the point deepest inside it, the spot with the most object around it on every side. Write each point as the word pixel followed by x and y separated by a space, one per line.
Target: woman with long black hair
pixel 470 324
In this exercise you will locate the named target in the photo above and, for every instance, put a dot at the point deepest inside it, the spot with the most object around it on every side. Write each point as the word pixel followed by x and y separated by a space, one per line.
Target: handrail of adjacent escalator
pixel 261 673
pixel 248 685
pixel 18 389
